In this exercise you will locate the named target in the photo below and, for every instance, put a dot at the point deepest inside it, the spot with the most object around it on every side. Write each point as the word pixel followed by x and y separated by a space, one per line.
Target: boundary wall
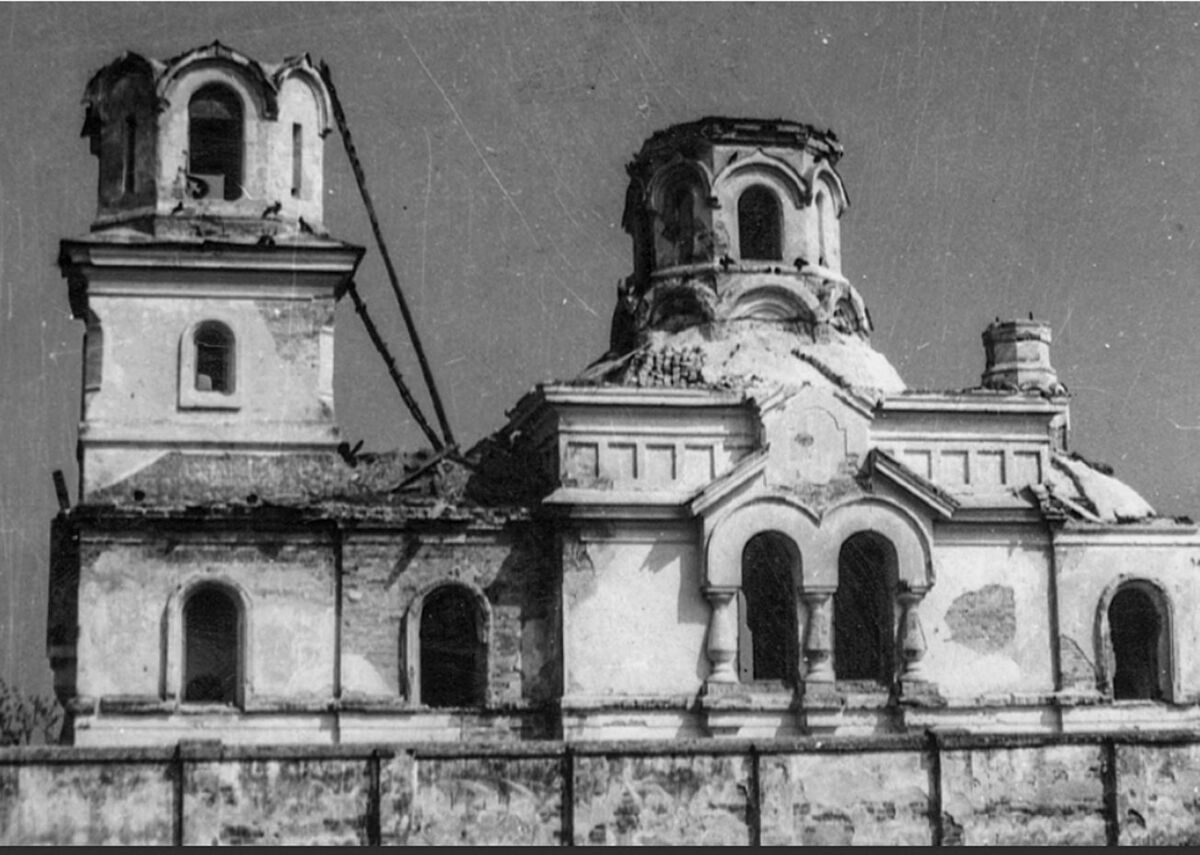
pixel 932 789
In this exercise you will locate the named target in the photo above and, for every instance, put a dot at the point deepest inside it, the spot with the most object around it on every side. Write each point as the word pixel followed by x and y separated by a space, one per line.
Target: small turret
pixel 1017 355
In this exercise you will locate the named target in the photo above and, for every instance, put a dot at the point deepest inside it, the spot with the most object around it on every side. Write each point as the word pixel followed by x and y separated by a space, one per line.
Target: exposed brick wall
pixel 385 574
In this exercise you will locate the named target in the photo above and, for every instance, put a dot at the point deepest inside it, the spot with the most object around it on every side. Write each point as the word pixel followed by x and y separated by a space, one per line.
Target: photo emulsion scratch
pixel 347 501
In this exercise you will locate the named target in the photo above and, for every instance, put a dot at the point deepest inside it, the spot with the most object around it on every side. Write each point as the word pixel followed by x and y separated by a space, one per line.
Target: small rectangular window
pixel 130 163
pixel 297 158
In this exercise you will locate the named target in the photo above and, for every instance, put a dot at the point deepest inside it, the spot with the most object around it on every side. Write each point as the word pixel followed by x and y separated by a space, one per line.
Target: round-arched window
pixel 863 629
pixel 453 655
pixel 215 144
pixel 760 225
pixel 769 648
pixel 1135 623
pixel 211 646
pixel 214 358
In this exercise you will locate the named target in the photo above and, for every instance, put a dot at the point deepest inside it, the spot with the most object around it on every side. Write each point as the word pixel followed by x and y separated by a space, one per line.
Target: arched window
pixel 760 225
pixel 453 652
pixel 680 223
pixel 1137 630
pixel 211 647
pixel 214 358
pixel 824 214
pixel 769 645
pixel 215 131
pixel 863 627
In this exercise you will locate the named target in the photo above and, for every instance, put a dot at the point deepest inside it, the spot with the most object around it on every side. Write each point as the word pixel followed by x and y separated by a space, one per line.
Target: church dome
pixel 737 273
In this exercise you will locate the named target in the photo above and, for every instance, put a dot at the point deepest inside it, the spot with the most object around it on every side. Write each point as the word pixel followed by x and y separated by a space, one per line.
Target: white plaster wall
pixel 810 435
pixel 297 105
pixel 1089 566
pixel 140 380
pixel 636 625
pixel 127 624
pixel 966 561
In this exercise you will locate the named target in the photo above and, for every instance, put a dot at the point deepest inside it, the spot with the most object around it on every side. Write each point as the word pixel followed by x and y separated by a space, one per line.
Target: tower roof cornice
pixel 822 144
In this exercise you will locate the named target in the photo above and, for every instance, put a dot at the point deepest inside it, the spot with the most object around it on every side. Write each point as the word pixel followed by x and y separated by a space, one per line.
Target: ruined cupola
pixel 737 264
pixel 738 219
pixel 209 142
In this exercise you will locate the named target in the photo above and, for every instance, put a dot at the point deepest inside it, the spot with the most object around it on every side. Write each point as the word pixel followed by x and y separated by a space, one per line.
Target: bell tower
pixel 736 219
pixel 208 281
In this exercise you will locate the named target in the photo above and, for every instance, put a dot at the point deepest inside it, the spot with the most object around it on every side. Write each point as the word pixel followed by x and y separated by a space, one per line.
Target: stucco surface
pixel 1093 566
pixel 127 804
pixel 993 790
pixel 496 802
pixel 1048 796
pixel 276 802
pixel 635 617
pixel 985 617
pixel 845 800
pixel 663 801
pixel 1158 795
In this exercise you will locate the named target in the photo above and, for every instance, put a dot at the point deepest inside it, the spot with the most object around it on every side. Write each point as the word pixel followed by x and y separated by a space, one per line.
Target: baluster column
pixel 818 635
pixel 912 636
pixel 722 633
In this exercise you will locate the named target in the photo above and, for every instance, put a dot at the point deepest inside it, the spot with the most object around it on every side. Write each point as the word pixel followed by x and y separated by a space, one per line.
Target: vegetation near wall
pixel 27 719
pixel 934 789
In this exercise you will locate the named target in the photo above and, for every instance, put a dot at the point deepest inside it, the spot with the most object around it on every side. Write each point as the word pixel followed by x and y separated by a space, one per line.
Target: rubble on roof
pixel 390 484
pixel 747 355
pixel 1089 492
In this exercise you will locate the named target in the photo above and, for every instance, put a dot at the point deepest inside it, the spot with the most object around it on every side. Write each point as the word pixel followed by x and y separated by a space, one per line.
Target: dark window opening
pixel 1135 627
pixel 760 227
pixel 215 142
pixel 297 158
pixel 130 161
pixel 822 224
pixel 680 224
pixel 453 659
pixel 770 644
pixel 93 350
pixel 863 633
pixel 214 358
pixel 211 647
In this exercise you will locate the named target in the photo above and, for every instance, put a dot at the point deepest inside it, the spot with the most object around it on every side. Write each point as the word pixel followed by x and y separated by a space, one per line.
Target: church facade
pixel 738 522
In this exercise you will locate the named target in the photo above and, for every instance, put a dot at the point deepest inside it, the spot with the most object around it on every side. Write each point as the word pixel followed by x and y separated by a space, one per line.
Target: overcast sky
pixel 1000 160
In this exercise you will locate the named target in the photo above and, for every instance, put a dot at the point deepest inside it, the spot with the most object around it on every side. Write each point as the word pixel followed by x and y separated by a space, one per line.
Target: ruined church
pixel 739 521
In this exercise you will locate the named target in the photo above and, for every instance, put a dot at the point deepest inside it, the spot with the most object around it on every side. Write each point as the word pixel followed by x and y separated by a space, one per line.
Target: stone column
pixel 818 635
pixel 722 633
pixel 912 636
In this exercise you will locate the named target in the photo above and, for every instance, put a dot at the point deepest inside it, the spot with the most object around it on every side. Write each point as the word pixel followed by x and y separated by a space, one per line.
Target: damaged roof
pixel 389 486
pixel 1088 491
pixel 756 354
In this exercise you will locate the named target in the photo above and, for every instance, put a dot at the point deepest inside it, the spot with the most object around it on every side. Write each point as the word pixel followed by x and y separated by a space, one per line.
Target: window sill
pixel 201 708
pixel 191 399
pixel 770 695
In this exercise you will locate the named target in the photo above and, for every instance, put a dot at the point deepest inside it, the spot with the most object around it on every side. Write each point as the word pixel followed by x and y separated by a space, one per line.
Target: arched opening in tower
pixel 215 142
